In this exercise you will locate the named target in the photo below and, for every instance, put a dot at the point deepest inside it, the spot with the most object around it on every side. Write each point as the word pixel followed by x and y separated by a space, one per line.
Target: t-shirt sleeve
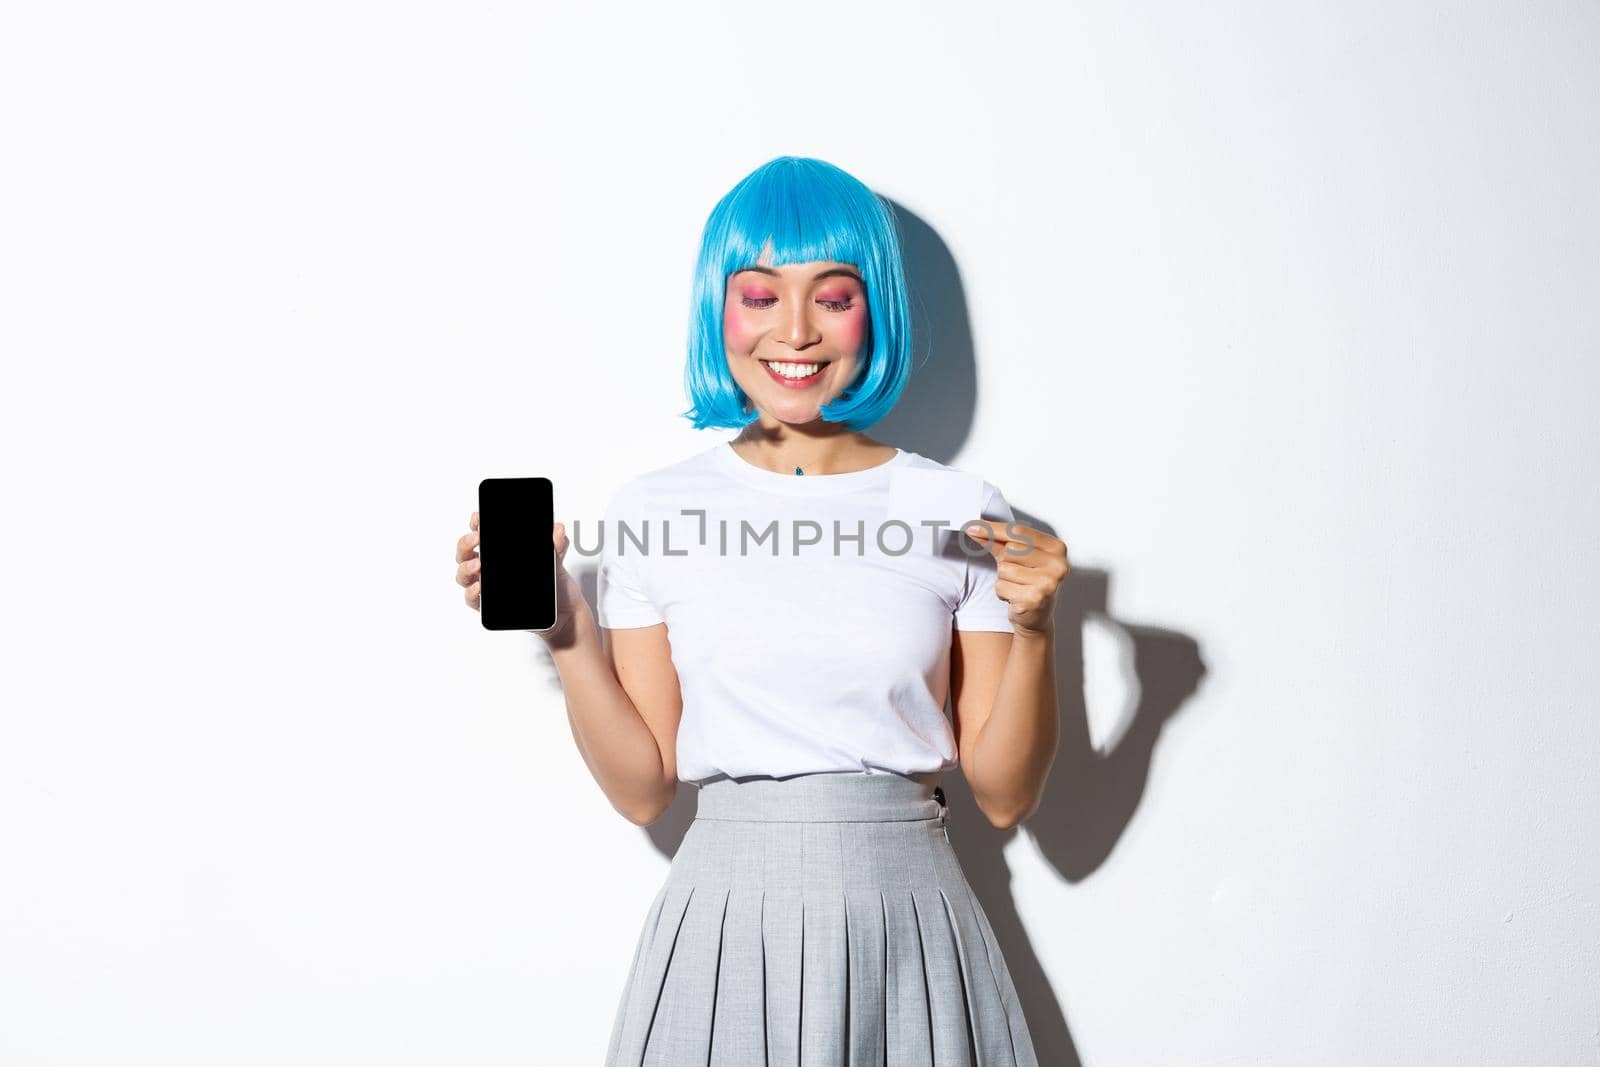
pixel 622 597
pixel 979 607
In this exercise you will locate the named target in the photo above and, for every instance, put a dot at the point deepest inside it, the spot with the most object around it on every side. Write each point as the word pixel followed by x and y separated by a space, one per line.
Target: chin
pixel 791 415
pixel 791 412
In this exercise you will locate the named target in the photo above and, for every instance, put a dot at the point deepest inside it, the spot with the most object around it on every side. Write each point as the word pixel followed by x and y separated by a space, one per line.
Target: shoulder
pixel 667 486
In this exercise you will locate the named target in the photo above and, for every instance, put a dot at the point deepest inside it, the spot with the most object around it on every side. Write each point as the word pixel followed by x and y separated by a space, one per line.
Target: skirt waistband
pixel 832 797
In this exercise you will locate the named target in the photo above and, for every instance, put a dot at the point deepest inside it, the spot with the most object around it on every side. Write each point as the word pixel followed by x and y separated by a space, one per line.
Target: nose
pixel 798 330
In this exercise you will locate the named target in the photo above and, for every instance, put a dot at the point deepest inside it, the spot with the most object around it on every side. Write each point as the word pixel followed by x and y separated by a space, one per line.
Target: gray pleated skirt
pixel 820 919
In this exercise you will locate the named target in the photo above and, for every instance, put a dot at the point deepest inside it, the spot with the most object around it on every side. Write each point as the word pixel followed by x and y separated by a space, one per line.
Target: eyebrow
pixel 830 272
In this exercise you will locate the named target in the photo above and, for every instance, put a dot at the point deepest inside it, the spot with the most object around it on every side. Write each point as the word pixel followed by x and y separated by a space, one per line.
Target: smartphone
pixel 516 557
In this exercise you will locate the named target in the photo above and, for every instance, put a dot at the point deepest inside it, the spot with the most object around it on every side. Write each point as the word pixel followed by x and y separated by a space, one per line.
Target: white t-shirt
pixel 794 657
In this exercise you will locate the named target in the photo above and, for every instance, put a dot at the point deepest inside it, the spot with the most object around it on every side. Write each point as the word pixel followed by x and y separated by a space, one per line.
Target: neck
pixel 784 450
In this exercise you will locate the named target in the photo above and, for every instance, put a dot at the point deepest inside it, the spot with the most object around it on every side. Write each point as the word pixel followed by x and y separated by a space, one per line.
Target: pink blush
pixel 851 330
pixel 737 334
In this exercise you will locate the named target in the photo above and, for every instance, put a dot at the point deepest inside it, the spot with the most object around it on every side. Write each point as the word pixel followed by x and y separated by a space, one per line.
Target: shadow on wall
pixel 1091 795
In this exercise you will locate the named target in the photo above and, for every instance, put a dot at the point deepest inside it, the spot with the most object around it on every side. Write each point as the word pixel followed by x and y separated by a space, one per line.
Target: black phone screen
pixel 517 561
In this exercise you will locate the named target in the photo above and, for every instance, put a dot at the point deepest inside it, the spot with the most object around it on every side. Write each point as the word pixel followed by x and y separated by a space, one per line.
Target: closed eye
pixel 764 302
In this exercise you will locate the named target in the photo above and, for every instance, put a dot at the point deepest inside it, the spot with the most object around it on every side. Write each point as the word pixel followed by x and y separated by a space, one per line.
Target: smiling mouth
pixel 795 370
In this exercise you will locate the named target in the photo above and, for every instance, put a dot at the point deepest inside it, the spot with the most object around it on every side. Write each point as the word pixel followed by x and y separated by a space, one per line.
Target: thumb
pixel 980 532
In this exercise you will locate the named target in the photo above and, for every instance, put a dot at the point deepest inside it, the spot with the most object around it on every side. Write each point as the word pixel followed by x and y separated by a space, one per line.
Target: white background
pixel 1282 315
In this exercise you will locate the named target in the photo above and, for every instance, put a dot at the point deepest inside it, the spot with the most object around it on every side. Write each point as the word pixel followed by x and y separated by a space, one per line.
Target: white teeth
pixel 794 370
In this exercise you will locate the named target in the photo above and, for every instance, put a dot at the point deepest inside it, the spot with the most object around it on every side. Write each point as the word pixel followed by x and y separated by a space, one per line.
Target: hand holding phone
pixel 568 590
pixel 515 542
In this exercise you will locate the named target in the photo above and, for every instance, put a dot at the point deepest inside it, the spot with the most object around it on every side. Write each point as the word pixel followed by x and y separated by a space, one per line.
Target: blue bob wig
pixel 809 210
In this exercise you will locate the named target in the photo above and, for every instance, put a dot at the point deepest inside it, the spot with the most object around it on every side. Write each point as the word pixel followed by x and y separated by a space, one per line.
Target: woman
pixel 815 911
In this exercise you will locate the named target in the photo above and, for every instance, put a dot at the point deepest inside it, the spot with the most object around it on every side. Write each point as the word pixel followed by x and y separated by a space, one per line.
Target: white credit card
pixel 921 494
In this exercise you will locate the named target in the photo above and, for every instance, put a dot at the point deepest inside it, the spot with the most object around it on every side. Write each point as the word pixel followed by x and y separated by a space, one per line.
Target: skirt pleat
pixel 865 932
pixel 909 1023
pixel 819 920
pixel 739 1026
pixel 947 1007
pixel 782 943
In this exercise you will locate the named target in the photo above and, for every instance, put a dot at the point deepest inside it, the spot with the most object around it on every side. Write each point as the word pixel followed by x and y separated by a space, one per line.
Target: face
pixel 794 334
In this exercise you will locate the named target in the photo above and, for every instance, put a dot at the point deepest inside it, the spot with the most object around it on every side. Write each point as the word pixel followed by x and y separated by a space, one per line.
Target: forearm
pixel 620 751
pixel 1017 743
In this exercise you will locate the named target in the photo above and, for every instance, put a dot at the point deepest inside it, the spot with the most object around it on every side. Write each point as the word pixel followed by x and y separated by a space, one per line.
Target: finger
pixel 467 573
pixel 998 547
pixel 1015 570
pixel 995 528
pixel 465 546
pixel 1034 565
pixel 1019 597
pixel 993 536
pixel 1024 543
pixel 1008 590
pixel 1000 530
pixel 474 520
pixel 474 595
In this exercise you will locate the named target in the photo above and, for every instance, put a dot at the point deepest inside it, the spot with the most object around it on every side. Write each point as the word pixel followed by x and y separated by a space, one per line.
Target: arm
pixel 1003 685
pixel 1007 718
pixel 623 704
